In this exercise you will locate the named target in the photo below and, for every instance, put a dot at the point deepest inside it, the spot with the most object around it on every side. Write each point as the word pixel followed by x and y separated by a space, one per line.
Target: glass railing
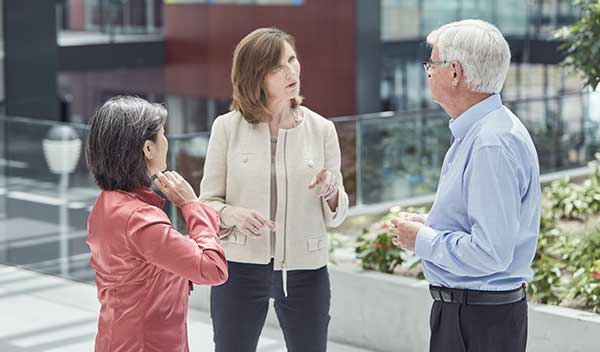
pixel 392 156
pixel 386 157
pixel 44 209
pixel 186 155
pixel 399 155
pixel 44 214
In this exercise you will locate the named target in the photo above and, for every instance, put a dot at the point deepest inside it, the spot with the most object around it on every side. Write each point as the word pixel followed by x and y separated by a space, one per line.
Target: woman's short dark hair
pixel 114 149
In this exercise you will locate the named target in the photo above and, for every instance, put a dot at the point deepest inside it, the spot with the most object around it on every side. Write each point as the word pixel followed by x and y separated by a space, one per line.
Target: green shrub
pixel 379 253
pixel 581 43
pixel 375 250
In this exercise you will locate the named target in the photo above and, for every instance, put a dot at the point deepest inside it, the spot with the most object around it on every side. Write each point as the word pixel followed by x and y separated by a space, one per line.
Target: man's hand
pixel 405 232
pixel 422 218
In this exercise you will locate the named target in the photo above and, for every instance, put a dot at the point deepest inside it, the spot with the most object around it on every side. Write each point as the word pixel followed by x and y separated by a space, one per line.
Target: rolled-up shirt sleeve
pixel 492 193
pixel 199 257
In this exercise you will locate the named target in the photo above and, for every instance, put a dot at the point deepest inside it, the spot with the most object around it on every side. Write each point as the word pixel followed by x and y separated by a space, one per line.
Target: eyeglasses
pixel 427 65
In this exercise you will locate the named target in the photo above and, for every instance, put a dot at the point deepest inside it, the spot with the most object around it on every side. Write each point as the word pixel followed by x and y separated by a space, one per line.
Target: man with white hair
pixel 479 239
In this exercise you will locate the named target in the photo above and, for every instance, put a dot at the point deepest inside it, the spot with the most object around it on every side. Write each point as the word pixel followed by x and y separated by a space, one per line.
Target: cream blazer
pixel 237 172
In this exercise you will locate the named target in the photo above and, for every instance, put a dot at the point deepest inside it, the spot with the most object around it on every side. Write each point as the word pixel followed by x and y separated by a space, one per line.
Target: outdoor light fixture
pixel 62 148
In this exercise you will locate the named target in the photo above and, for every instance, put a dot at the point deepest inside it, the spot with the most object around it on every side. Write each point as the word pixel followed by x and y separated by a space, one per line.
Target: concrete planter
pixel 383 312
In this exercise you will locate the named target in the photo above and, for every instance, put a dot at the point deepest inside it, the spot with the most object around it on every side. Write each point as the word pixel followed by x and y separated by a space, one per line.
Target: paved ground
pixel 42 313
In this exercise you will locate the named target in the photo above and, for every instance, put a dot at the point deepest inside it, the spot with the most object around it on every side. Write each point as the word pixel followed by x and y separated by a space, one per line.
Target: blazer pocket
pixel 316 243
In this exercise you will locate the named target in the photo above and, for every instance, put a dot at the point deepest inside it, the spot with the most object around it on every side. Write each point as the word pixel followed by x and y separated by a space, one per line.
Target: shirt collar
pixel 462 124
pixel 147 195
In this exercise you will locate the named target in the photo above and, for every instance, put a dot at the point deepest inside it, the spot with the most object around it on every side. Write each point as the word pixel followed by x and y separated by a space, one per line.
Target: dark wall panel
pixel 31 59
pixel 112 55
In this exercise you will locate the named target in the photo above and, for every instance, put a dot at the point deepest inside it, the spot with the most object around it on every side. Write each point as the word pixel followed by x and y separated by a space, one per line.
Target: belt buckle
pixel 435 293
pixel 446 296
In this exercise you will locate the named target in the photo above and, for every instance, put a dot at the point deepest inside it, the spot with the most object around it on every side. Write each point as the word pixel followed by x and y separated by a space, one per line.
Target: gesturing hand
pixel 249 222
pixel 326 183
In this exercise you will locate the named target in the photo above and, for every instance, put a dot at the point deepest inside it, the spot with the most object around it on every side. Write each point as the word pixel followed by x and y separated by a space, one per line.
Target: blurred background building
pixel 361 67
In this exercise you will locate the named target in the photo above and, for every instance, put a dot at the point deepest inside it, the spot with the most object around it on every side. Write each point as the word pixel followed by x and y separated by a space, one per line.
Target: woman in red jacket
pixel 143 265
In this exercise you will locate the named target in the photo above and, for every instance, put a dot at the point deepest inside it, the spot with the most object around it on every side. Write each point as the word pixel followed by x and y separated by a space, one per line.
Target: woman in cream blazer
pixel 272 172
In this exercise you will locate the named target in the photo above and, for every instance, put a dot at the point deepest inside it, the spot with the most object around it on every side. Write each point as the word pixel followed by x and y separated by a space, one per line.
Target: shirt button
pixel 310 164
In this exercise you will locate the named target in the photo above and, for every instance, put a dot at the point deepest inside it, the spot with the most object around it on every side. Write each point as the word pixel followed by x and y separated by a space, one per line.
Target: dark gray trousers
pixel 239 307
pixel 478 328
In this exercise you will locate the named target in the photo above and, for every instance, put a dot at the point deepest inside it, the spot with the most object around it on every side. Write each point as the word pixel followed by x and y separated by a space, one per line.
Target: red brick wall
pixel 201 39
pixel 76 15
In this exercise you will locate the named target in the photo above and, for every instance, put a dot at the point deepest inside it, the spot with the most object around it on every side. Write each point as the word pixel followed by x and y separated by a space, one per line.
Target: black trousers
pixel 478 328
pixel 239 307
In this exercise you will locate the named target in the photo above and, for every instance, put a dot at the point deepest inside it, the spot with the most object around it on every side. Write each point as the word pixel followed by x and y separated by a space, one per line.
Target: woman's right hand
pixel 173 186
pixel 249 222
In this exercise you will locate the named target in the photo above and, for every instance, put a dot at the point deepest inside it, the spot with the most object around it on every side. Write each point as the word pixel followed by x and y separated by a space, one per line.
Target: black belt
pixel 474 297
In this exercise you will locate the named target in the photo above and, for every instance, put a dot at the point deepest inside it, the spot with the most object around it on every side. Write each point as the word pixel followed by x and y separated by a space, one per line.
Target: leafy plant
pixel 379 253
pixel 567 263
pixel 375 250
pixel 546 280
pixel 585 287
pixel 582 40
pixel 564 200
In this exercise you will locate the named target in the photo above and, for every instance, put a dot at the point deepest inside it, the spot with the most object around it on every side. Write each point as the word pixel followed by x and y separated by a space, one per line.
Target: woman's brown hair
pixel 254 57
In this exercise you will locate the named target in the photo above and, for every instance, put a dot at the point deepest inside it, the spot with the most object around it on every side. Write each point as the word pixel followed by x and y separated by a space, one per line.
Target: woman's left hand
pixel 328 186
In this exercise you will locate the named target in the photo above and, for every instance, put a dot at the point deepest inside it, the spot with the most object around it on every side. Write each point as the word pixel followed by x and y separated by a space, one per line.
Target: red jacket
pixel 143 268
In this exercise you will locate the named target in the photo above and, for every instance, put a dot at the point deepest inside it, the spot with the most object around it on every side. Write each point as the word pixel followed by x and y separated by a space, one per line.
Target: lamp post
pixel 62 148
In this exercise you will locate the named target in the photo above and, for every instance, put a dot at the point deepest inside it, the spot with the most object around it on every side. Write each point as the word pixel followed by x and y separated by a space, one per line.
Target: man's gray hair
pixel 481 50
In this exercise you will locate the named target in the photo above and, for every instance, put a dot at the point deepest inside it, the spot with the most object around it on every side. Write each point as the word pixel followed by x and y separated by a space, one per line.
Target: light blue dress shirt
pixel 482 230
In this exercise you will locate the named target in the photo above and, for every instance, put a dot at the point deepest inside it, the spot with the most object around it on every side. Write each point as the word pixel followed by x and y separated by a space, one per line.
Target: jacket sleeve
pixel 333 164
pixel 214 180
pixel 199 258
